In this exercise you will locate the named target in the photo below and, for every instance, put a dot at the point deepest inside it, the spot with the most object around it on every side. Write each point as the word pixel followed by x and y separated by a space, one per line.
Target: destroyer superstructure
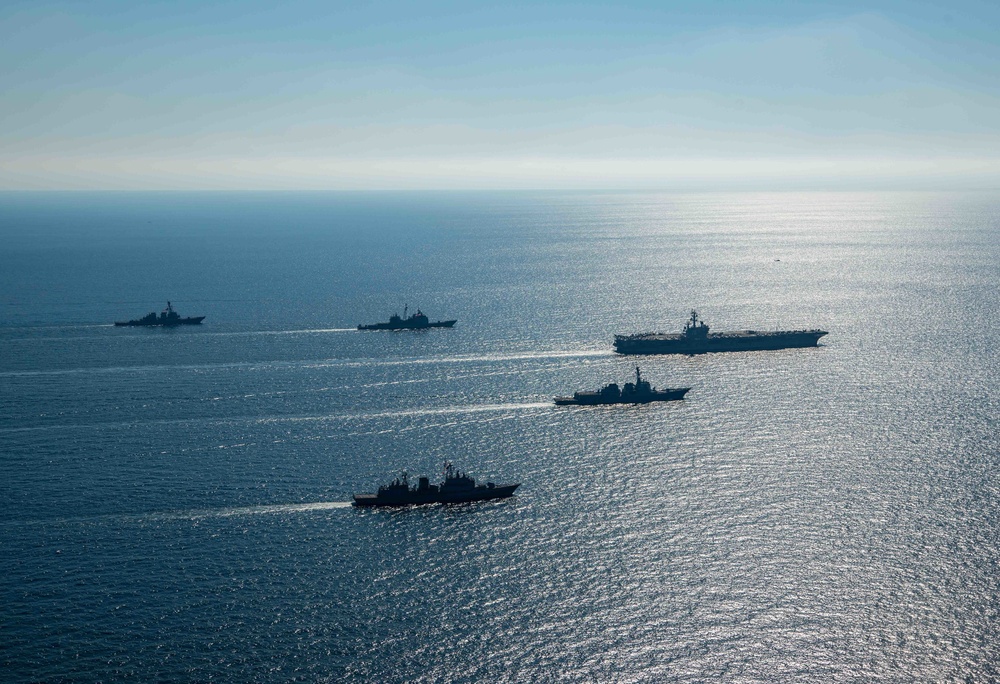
pixel 457 487
pixel 167 318
pixel 639 392
pixel 696 339
pixel 417 321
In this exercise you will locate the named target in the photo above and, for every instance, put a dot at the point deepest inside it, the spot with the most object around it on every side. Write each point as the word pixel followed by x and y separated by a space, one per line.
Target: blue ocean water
pixel 173 502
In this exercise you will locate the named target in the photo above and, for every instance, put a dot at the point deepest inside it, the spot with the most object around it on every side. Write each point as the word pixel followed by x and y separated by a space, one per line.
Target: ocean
pixel 174 503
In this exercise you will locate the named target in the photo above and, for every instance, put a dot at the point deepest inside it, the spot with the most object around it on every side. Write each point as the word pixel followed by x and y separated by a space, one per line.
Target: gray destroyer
pixel 695 339
pixel 457 487
pixel 417 321
pixel 640 392
pixel 167 319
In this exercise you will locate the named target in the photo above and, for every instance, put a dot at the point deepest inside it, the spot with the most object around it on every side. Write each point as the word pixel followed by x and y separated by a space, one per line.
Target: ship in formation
pixel 417 321
pixel 167 319
pixel 696 339
pixel 639 392
pixel 457 487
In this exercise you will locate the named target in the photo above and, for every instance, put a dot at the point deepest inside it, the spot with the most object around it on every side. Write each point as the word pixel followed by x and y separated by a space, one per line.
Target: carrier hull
pixel 747 340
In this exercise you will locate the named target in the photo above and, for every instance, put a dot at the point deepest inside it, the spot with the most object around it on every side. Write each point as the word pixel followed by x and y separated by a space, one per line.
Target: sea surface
pixel 174 502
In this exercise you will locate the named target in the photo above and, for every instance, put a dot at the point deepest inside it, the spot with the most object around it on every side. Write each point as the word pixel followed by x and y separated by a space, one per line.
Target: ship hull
pixel 655 343
pixel 405 326
pixel 417 498
pixel 193 320
pixel 594 399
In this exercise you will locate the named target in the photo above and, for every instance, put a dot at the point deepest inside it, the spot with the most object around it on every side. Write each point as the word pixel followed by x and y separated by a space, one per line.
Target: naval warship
pixel 167 318
pixel 417 321
pixel 641 392
pixel 457 487
pixel 697 340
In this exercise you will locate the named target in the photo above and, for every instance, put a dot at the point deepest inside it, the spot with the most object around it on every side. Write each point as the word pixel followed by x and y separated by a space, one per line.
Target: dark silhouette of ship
pixel 641 392
pixel 697 340
pixel 167 318
pixel 417 321
pixel 457 487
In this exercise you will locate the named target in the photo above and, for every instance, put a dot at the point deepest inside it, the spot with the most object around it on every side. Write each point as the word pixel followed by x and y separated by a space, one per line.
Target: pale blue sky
pixel 318 95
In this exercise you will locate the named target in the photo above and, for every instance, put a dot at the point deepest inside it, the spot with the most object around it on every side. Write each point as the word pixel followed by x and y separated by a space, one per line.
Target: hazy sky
pixel 317 95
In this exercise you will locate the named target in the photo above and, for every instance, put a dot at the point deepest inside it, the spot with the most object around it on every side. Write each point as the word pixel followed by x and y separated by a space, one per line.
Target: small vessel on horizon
pixel 167 318
pixel 417 321
pixel 457 487
pixel 640 392
pixel 695 339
